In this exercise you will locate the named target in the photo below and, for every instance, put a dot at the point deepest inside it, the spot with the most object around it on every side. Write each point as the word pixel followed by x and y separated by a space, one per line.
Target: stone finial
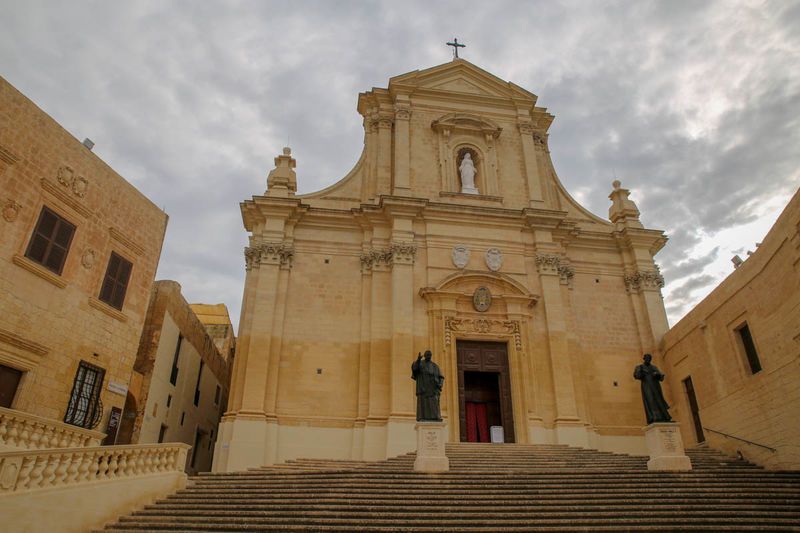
pixel 623 210
pixel 282 181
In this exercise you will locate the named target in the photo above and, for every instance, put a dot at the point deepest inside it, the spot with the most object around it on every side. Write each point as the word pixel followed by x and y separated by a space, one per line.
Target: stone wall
pixel 761 406
pixel 161 403
pixel 52 322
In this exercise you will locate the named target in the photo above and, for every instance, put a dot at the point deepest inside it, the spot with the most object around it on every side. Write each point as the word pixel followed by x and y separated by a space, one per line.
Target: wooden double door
pixel 484 390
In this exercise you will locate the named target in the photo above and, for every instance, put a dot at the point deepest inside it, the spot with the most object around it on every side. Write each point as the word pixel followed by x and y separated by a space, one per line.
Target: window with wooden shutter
pixel 115 282
pixel 50 241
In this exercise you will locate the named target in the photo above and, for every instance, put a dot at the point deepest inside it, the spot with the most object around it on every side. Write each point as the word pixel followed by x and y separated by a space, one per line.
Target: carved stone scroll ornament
pixel 566 274
pixel 66 177
pixel 494 259
pixel 87 259
pixel 460 255
pixel 484 326
pixel 644 281
pixel 403 253
pixel 548 263
pixel 377 259
pixel 11 210
pixel 268 254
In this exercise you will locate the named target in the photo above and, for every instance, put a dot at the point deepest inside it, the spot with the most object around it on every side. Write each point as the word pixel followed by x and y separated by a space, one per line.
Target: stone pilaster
pixel 402 153
pixel 563 384
pixel 531 166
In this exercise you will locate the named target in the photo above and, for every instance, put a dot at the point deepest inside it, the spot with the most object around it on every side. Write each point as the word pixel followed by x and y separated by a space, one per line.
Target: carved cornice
pixel 13 339
pixel 126 241
pixel 39 270
pixel 548 263
pixel 468 123
pixel 7 156
pixel 644 281
pixel 482 326
pixel 65 198
pixel 269 253
pixel 107 309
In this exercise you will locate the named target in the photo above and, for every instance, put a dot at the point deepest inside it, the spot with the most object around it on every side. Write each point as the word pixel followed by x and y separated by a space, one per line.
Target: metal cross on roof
pixel 456 45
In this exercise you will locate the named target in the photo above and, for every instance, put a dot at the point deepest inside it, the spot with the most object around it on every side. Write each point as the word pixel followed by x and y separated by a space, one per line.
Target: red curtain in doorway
pixel 477 427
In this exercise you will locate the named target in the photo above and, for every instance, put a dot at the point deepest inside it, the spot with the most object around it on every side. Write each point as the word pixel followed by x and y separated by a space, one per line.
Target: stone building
pixel 182 377
pixel 733 362
pixel 535 309
pixel 79 247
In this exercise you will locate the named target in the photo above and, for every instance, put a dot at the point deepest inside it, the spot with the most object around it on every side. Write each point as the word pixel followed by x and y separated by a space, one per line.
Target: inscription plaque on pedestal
pixel 666 447
pixel 431 455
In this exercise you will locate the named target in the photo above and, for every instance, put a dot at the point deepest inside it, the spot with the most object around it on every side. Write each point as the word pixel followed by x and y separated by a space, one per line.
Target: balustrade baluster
pixel 148 462
pixel 4 422
pixel 36 473
pixel 61 472
pixel 140 462
pixel 94 465
pixel 65 438
pixel 163 460
pixel 83 468
pixel 24 477
pixel 49 474
pixel 36 437
pixel 102 471
pixel 13 432
pixel 25 434
pixel 113 464
pixel 73 470
pixel 52 438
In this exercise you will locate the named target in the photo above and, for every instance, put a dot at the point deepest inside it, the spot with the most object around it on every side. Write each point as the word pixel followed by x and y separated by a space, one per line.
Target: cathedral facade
pixel 535 309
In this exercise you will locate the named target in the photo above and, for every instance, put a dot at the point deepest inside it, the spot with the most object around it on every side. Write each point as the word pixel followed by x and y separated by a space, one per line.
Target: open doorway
pixel 484 391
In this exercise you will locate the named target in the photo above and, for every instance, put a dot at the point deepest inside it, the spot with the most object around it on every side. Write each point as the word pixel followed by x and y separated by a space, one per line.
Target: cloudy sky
pixel 694 106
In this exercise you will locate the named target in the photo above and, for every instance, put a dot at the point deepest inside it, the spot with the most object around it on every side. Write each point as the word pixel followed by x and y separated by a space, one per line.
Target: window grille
pixel 85 408
pixel 50 241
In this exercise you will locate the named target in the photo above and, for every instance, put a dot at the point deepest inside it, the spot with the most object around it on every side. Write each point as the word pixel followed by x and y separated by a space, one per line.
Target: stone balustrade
pixel 61 468
pixel 25 431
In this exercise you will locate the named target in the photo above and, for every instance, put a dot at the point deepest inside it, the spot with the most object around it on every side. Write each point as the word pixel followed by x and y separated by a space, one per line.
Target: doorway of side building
pixel 484 391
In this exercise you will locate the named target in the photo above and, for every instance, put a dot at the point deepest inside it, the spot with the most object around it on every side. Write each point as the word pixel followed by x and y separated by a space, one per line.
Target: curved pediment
pixel 467 122
pixel 468 280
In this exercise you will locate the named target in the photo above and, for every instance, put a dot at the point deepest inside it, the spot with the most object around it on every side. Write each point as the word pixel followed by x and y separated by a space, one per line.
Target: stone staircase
pixel 490 487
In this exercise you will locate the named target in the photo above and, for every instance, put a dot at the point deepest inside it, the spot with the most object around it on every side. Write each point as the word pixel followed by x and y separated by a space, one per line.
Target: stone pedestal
pixel 665 447
pixel 431 437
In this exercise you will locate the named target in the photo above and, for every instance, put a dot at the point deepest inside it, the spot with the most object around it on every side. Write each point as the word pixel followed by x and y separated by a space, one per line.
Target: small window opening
pixel 749 348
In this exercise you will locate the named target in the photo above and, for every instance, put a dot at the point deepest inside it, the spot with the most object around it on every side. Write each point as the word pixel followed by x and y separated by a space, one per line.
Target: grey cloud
pixel 191 102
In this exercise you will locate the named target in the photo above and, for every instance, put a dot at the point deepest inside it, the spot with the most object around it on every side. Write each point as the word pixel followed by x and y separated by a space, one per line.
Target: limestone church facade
pixel 536 310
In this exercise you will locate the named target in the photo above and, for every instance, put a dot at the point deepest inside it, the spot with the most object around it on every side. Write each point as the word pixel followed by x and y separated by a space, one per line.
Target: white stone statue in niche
pixel 468 171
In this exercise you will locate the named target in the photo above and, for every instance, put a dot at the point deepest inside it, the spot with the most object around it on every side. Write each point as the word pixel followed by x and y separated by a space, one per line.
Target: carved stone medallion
pixel 482 299
pixel 460 255
pixel 87 259
pixel 11 210
pixel 494 259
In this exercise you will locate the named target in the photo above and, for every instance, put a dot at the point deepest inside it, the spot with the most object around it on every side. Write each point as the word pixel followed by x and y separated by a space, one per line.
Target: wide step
pixel 489 488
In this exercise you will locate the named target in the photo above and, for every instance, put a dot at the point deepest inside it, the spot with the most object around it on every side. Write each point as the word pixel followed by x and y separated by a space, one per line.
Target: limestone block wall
pixel 52 322
pixel 166 411
pixel 707 346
